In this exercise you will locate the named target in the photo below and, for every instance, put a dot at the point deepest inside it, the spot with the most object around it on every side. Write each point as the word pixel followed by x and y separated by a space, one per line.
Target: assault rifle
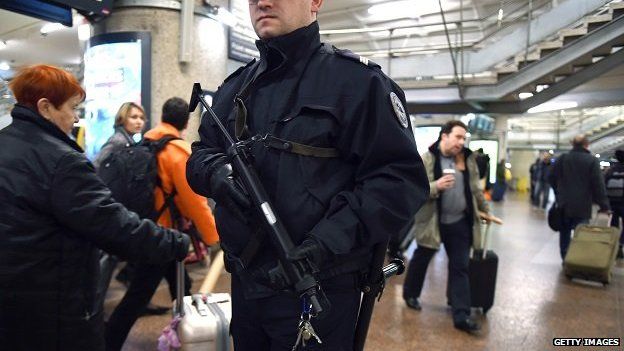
pixel 298 272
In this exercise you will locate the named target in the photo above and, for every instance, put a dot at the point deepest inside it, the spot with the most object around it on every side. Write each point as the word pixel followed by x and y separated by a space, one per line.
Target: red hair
pixel 42 81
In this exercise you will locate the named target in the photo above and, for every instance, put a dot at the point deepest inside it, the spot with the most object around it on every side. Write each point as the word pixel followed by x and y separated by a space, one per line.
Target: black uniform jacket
pixel 55 213
pixel 311 93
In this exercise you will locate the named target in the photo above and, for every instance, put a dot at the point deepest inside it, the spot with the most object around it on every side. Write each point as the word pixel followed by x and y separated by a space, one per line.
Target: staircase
pixel 562 62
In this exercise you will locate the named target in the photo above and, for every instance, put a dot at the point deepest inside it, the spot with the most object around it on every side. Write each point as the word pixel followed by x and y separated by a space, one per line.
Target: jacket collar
pixel 121 130
pixel 290 47
pixel 435 150
pixel 26 114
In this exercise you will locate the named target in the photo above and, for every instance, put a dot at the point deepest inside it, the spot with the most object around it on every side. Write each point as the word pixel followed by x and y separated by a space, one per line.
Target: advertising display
pixel 117 70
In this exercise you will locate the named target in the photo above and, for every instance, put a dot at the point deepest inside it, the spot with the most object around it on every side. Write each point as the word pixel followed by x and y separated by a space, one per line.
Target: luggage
pixel 482 270
pixel 498 192
pixel 204 319
pixel 591 254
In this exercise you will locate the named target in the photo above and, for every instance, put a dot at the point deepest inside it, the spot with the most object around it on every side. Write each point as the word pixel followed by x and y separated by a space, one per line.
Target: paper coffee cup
pixel 448 171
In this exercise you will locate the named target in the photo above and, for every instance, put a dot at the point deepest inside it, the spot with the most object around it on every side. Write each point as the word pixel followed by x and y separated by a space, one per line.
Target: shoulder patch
pixel 239 70
pixel 355 57
pixel 399 110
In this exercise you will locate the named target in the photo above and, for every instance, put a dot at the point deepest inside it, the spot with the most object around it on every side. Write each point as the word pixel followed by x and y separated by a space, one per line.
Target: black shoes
pixel 468 325
pixel 412 302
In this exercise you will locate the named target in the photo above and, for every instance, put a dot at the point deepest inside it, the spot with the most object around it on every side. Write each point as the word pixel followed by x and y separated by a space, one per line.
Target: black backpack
pixel 131 174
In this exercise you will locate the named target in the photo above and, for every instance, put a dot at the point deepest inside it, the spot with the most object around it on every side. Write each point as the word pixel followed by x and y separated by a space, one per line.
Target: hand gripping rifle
pixel 298 272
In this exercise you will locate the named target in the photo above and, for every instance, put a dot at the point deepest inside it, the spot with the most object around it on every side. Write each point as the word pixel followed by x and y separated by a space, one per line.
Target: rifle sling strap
pixel 297 148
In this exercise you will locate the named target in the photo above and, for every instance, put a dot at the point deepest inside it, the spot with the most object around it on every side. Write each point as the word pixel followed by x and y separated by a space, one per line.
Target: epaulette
pixel 355 57
pixel 239 70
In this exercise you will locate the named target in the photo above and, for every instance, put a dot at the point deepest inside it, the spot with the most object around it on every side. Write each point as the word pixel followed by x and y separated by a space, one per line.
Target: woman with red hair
pixel 55 216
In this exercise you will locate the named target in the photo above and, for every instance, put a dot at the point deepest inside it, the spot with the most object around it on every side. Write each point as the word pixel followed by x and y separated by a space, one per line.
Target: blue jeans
pixel 567 225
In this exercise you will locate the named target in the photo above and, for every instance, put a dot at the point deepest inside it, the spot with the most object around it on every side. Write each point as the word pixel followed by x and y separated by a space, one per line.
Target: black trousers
pixel 457 239
pixel 271 324
pixel 618 212
pixel 143 285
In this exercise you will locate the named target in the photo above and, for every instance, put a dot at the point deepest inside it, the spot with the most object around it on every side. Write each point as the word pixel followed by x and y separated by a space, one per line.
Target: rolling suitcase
pixel 591 254
pixel 482 271
pixel 201 321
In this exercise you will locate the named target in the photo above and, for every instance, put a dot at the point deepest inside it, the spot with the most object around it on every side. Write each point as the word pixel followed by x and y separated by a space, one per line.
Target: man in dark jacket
pixel 54 216
pixel 614 180
pixel 577 181
pixel 542 184
pixel 354 178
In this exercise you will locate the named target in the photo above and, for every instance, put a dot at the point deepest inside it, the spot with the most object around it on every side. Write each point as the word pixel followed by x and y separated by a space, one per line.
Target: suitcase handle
pixel 179 310
pixel 484 239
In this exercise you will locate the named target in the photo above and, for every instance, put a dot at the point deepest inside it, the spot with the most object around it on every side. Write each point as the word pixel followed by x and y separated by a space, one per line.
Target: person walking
pixel 186 206
pixel 451 217
pixel 577 181
pixel 55 216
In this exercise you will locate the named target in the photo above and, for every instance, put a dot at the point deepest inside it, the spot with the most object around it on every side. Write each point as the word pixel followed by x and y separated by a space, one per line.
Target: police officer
pixel 339 163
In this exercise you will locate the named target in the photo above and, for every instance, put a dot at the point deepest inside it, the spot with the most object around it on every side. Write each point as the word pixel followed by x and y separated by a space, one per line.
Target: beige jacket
pixel 426 226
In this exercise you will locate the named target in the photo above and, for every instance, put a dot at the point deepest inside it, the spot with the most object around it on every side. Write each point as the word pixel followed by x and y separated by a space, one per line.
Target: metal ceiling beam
pixel 543 26
pixel 517 107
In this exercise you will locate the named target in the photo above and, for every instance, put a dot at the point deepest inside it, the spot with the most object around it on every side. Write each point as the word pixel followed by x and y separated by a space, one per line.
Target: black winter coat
pixel 55 214
pixel 310 93
pixel 578 182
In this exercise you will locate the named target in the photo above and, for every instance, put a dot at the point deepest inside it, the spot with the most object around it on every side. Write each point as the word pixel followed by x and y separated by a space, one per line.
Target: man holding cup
pixel 450 216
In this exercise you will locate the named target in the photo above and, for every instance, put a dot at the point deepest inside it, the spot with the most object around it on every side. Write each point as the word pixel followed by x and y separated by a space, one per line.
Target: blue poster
pixel 112 76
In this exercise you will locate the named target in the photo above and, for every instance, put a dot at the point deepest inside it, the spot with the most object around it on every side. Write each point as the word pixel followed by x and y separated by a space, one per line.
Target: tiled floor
pixel 534 301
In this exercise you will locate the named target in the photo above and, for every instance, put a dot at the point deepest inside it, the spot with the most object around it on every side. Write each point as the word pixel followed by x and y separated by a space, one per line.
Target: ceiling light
pixel 508 165
pixel 50 27
pixel 84 31
pixel 3 44
pixel 605 164
pixel 540 87
pixel 597 155
pixel 553 106
pixel 4 66
pixel 523 96
pixel 404 8
pixel 551 151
